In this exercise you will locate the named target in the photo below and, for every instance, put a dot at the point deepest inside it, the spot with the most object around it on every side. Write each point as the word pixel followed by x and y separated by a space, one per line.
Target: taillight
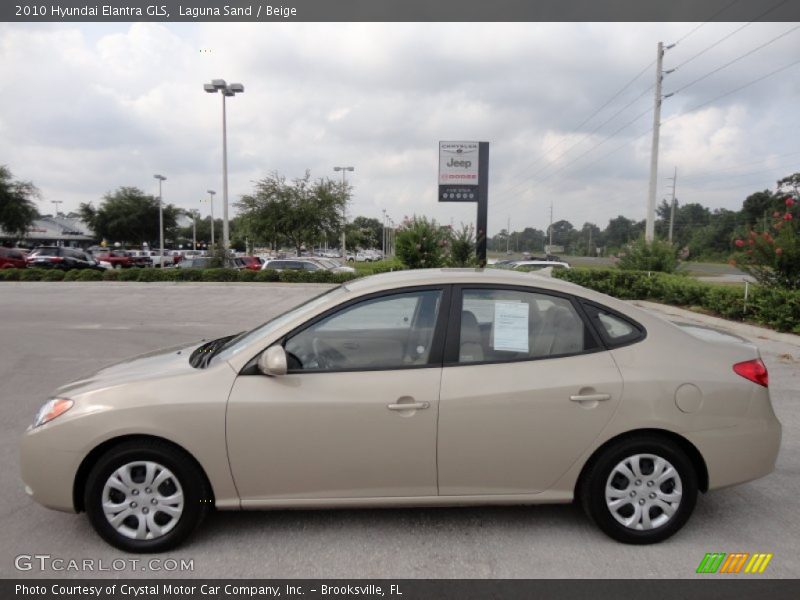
pixel 754 370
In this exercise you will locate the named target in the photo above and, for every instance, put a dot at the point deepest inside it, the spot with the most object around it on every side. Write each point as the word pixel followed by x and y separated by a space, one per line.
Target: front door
pixel 355 417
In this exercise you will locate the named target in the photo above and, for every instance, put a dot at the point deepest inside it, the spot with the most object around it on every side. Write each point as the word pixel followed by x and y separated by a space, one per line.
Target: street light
pixel 160 220
pixel 219 85
pixel 344 206
pixel 211 200
pixel 383 239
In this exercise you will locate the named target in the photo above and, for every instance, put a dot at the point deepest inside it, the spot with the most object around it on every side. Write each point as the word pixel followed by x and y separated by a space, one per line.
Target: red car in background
pixel 119 259
pixel 251 263
pixel 12 258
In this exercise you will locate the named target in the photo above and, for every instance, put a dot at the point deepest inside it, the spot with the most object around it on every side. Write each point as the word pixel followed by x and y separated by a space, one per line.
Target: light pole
pixel 56 203
pixel 344 206
pixel 194 229
pixel 160 178
pixel 219 85
pixel 383 247
pixel 211 201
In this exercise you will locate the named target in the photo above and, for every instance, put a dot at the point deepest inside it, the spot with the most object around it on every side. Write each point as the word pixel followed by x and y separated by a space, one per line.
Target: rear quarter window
pixel 615 329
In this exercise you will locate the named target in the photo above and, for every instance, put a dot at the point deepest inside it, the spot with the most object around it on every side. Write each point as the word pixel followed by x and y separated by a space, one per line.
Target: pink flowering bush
pixel 421 243
pixel 772 256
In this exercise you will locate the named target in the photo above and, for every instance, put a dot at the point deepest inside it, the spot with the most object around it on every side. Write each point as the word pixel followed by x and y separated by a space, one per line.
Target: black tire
pixel 593 489
pixel 191 481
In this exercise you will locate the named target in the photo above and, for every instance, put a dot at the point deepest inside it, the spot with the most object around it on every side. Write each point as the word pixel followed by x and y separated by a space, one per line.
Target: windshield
pixel 240 342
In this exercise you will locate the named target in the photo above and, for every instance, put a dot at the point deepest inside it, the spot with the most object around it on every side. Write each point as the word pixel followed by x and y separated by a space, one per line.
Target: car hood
pixel 166 361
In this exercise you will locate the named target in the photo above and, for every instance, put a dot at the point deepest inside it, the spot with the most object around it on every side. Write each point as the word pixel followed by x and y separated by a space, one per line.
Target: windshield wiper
pixel 203 354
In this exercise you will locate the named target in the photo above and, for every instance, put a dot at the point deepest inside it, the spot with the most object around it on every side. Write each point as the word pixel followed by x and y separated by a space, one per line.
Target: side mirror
pixel 272 361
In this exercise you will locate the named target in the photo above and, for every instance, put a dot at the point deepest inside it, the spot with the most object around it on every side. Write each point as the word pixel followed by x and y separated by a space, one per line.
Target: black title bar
pixel 401 10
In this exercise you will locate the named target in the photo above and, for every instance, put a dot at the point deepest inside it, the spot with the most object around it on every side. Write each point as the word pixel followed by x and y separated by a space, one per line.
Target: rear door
pixel 526 388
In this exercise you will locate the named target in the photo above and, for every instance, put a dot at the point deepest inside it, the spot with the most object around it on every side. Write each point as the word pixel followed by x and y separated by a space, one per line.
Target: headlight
pixel 52 409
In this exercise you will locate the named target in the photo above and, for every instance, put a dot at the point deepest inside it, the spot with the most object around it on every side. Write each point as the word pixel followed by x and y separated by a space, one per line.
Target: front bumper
pixel 48 473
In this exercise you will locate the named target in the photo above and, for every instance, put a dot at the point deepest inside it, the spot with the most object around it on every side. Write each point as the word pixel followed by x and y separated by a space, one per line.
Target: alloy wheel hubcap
pixel 143 500
pixel 643 492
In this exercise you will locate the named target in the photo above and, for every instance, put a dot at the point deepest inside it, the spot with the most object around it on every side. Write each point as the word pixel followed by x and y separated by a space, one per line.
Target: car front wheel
pixel 640 490
pixel 146 496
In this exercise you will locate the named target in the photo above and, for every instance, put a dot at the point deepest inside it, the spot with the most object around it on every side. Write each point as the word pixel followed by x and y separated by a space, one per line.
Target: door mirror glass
pixel 272 361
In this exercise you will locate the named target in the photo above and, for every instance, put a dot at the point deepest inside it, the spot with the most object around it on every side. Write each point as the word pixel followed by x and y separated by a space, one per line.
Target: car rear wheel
pixel 146 496
pixel 640 490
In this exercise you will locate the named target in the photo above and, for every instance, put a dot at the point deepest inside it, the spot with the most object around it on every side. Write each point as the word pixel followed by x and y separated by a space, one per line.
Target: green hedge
pixel 776 308
pixel 150 275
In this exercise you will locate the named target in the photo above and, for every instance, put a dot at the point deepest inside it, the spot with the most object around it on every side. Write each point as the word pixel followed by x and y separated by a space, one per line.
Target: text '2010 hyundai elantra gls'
pixel 416 388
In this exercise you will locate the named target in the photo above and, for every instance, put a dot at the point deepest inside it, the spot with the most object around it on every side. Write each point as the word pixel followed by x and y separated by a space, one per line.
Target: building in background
pixel 62 230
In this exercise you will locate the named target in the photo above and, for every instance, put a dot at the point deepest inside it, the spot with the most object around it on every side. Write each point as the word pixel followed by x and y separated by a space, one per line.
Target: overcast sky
pixel 87 108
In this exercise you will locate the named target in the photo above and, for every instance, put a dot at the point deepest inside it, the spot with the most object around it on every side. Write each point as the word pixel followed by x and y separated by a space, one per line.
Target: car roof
pixel 414 277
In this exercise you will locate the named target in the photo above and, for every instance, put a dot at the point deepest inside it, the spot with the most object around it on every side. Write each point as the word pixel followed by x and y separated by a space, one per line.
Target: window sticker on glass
pixel 511 326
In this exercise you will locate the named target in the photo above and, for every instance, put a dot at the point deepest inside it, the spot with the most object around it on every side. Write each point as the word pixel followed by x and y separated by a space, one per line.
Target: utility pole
pixel 508 235
pixel 672 205
pixel 551 226
pixel 649 228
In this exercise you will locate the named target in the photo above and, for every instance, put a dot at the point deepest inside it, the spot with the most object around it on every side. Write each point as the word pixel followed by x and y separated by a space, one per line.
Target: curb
pixel 741 329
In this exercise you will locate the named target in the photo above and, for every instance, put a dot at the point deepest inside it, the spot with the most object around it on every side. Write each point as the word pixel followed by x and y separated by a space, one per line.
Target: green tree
pixel 620 231
pixel 462 247
pixel 421 243
pixel 563 233
pixel 130 216
pixel 301 211
pixel 17 210
pixel 364 232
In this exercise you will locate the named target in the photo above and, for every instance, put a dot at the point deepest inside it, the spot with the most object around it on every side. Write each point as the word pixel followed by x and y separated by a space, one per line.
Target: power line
pixel 631 141
pixel 733 91
pixel 731 34
pixel 711 18
pixel 591 116
pixel 737 59
pixel 704 174
pixel 577 158
pixel 581 140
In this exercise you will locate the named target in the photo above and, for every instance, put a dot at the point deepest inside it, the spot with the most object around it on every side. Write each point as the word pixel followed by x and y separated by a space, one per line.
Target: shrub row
pixel 774 307
pixel 148 275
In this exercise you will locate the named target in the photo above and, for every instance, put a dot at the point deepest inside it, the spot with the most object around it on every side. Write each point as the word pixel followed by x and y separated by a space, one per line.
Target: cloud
pixel 94 107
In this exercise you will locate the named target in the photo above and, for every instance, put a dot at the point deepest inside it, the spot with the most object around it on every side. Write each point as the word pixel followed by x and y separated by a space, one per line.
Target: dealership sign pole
pixel 464 177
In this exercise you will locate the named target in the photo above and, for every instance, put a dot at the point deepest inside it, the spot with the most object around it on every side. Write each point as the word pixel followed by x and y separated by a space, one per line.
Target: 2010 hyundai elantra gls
pixel 416 388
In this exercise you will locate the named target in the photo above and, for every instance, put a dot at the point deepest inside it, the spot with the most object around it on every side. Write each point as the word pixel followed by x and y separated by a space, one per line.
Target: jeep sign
pixel 458 163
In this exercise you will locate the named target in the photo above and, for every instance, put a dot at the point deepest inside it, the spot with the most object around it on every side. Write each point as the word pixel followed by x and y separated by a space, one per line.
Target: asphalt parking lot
pixel 53 333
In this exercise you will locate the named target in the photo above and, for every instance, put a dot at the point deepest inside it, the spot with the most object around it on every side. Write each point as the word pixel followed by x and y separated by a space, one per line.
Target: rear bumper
pixel 739 454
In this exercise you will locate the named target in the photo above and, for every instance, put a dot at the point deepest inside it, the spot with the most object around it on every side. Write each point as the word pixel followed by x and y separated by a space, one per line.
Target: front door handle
pixel 590 397
pixel 409 406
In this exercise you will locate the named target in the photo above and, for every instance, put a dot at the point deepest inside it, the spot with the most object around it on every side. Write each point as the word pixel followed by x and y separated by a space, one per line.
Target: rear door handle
pixel 409 406
pixel 590 397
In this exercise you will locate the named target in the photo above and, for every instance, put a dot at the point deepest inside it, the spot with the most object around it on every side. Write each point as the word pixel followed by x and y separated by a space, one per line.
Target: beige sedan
pixel 418 388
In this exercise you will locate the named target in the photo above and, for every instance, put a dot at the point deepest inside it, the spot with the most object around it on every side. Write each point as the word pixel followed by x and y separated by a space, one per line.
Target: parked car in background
pixel 141 258
pixel 292 264
pixel 61 257
pixel 12 258
pixel 358 257
pixel 415 388
pixel 118 259
pixel 204 262
pixel 251 263
pixel 333 266
pixel 536 265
